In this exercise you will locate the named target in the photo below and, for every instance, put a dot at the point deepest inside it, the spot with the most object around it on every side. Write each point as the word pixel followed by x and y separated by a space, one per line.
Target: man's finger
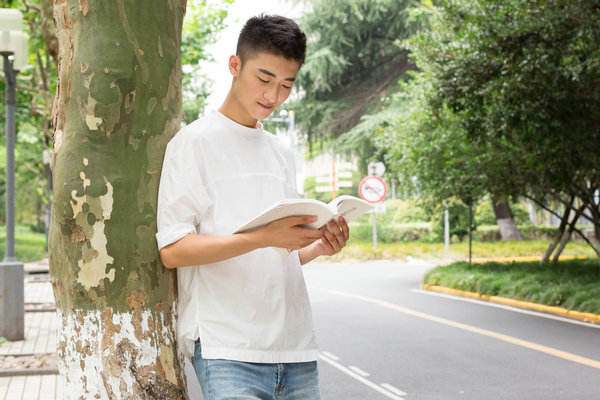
pixel 345 228
pixel 302 220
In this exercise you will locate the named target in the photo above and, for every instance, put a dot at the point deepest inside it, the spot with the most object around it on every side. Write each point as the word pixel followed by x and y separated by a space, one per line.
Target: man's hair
pixel 273 34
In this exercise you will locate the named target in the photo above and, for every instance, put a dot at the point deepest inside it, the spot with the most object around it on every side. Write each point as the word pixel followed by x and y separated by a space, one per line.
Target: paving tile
pixel 40 335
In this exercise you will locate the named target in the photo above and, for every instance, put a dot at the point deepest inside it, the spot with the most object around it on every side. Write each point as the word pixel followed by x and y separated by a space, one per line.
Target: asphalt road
pixel 380 337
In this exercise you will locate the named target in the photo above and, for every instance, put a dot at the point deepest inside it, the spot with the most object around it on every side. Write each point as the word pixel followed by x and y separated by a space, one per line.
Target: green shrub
pixel 484 213
pixel 491 233
pixel 405 211
pixel 573 284
pixel 361 229
pixel 459 222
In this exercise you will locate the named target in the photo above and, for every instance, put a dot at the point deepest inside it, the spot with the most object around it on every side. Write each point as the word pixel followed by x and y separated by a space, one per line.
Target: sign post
pixel 373 190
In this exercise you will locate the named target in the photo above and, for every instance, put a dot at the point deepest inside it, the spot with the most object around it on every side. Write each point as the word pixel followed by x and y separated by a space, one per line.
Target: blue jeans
pixel 236 380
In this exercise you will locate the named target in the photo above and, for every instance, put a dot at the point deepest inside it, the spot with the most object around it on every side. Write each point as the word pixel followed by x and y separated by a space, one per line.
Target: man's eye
pixel 262 80
pixel 287 87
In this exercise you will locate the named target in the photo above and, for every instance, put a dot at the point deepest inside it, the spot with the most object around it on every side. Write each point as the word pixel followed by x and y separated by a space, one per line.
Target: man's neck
pixel 232 110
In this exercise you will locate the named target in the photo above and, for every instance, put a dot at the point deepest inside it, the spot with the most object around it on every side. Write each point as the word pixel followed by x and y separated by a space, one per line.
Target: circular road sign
pixel 372 189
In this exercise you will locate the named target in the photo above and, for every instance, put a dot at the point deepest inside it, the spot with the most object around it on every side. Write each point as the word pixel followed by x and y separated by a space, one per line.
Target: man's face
pixel 261 85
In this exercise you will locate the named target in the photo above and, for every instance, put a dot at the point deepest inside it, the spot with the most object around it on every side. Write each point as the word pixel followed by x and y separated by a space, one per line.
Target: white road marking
pixel 358 371
pixel 329 355
pixel 473 329
pixel 509 308
pixel 359 378
pixel 393 389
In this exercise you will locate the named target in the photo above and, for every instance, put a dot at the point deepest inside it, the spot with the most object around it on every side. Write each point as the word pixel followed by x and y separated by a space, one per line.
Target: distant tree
pixel 202 24
pixel 353 61
pixel 35 88
pixel 525 74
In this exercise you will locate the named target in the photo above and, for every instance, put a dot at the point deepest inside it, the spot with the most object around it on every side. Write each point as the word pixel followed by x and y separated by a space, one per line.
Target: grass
pixel 29 245
pixel 571 284
pixel 458 251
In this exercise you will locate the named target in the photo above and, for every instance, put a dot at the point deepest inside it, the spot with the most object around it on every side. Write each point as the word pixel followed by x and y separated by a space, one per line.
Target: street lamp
pixel 13 49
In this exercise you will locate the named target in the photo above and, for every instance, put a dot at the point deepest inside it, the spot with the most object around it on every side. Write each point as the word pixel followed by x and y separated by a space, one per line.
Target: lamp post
pixel 13 49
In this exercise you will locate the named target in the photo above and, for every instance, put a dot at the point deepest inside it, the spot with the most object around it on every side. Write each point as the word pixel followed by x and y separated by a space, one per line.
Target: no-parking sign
pixel 372 189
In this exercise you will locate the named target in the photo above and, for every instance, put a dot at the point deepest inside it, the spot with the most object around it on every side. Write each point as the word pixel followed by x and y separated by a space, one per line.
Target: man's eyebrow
pixel 264 71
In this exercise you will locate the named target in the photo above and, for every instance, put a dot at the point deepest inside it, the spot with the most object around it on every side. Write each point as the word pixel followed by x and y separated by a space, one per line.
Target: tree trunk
pixel 567 235
pixel 49 29
pixel 559 233
pixel 504 219
pixel 118 103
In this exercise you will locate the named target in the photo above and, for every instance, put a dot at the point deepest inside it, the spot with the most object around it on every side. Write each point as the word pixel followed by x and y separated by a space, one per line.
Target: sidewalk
pixel 41 383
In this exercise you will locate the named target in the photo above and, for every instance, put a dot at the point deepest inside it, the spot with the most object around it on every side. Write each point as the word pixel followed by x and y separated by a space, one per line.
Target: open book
pixel 345 206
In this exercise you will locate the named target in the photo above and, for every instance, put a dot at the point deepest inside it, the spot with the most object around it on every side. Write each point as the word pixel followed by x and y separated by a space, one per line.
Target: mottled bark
pixel 118 103
pixel 506 223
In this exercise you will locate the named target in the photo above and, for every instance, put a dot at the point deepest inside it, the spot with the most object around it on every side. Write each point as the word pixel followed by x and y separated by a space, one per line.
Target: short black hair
pixel 273 34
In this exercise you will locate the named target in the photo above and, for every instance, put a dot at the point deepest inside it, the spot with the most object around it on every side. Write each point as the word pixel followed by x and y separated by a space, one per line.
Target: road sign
pixel 379 208
pixel 376 168
pixel 338 184
pixel 372 189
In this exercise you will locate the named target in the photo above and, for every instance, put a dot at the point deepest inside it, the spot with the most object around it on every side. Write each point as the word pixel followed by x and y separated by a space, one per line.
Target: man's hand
pixel 288 233
pixel 194 249
pixel 335 236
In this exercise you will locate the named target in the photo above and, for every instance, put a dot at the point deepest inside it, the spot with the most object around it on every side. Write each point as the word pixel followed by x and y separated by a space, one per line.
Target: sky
pixel 239 12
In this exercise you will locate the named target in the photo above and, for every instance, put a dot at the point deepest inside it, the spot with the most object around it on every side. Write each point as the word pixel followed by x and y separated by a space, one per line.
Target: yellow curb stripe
pixel 505 338
pixel 522 259
pixel 586 317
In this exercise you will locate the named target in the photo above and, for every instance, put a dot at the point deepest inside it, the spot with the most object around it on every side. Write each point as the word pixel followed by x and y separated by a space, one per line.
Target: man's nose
pixel 271 94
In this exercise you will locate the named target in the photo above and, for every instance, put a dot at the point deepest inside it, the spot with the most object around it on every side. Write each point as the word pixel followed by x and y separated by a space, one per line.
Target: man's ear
pixel 235 65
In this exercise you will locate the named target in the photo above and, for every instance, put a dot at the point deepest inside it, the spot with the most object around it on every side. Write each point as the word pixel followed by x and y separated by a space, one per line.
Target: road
pixel 380 337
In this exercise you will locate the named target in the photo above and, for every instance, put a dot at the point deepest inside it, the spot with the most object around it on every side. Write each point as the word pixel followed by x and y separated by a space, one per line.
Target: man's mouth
pixel 265 106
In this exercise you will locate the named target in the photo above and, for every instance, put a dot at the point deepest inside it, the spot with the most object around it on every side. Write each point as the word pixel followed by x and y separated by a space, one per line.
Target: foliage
pixel 29 245
pixel 484 213
pixel 428 251
pixel 573 284
pixel 202 24
pixel 353 58
pixel 491 233
pixel 522 77
pixel 35 87
pixel 501 86
pixel 458 218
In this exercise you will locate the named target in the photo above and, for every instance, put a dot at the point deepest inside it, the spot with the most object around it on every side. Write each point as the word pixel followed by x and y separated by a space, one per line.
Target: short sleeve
pixel 182 196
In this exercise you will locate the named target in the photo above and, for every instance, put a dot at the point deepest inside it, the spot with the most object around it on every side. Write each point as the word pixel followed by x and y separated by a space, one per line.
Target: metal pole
pixel 374 230
pixel 10 76
pixel 447 227
pixel 12 309
pixel 470 230
pixel 291 127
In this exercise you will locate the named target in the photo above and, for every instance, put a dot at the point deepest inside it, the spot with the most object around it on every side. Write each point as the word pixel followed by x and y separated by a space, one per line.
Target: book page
pixel 350 207
pixel 289 208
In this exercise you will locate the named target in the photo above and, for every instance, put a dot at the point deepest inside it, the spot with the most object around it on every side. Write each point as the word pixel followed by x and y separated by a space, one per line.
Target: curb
pixel 28 371
pixel 582 316
pixel 522 259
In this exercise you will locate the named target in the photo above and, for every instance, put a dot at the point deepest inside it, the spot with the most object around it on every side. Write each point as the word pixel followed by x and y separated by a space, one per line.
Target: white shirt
pixel 217 175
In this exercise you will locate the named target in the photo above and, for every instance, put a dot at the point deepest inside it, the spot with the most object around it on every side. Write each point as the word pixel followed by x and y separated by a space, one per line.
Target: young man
pixel 244 313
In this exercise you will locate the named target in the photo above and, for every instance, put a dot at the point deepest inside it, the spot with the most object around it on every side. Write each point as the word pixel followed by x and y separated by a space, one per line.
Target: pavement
pixel 40 340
